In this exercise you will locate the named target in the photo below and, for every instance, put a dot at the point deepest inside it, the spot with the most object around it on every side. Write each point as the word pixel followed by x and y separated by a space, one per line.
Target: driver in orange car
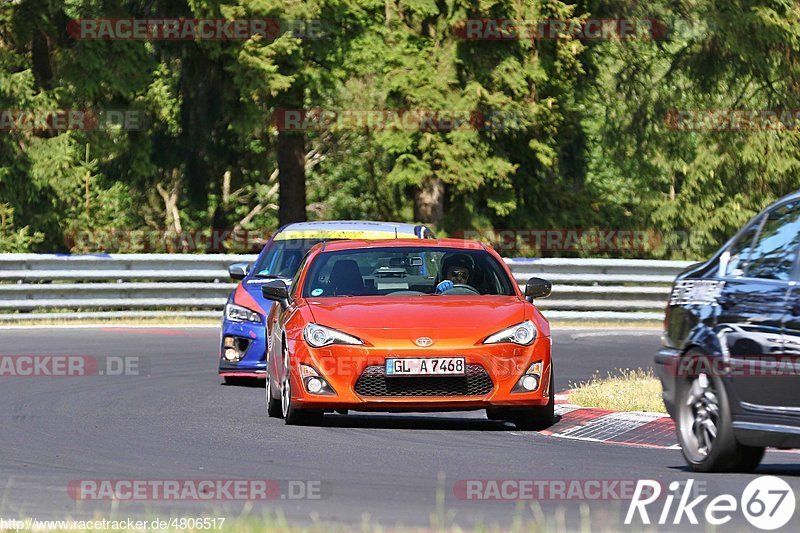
pixel 457 269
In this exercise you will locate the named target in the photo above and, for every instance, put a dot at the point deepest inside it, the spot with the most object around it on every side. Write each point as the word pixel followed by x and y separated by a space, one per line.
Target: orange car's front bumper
pixel 342 366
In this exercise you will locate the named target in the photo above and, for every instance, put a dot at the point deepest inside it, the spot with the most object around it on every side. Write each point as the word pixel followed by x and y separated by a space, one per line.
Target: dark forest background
pixel 594 141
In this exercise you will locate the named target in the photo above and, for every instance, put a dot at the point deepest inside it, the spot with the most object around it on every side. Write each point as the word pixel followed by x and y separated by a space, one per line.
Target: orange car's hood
pixel 439 317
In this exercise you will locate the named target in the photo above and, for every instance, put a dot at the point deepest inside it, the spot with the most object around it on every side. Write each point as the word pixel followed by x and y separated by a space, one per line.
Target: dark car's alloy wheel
pixel 703 422
pixel 703 403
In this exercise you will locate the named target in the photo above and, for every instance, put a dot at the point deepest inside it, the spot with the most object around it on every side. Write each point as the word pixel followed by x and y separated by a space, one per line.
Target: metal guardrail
pixel 602 289
pixel 144 285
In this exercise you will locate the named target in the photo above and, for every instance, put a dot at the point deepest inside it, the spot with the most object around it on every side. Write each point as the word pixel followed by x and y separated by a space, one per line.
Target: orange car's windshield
pixel 406 271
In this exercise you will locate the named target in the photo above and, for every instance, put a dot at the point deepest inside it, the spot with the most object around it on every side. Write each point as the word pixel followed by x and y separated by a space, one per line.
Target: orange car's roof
pixel 415 243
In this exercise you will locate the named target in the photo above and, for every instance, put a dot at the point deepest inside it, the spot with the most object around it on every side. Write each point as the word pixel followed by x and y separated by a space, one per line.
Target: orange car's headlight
pixel 320 336
pixel 523 334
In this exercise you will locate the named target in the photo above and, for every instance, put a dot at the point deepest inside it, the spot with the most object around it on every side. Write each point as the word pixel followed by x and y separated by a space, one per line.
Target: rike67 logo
pixel 767 503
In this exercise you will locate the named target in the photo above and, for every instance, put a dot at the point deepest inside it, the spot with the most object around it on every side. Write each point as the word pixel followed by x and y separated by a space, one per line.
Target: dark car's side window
pixel 739 252
pixel 774 252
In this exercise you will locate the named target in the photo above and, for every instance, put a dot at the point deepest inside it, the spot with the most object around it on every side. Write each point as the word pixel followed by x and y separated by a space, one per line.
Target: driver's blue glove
pixel 445 285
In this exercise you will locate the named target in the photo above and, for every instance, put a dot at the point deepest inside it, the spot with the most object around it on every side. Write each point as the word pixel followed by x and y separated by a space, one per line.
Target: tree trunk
pixel 202 88
pixel 429 202
pixel 291 177
pixel 40 56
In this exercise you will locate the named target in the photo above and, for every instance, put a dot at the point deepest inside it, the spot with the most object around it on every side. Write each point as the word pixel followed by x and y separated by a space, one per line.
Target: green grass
pixel 528 517
pixel 625 390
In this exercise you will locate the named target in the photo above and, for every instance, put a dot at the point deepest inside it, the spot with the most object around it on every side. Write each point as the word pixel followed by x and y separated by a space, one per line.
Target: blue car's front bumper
pixel 251 340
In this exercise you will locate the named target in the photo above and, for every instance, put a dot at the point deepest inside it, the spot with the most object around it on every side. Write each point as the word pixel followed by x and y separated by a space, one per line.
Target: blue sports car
pixel 243 346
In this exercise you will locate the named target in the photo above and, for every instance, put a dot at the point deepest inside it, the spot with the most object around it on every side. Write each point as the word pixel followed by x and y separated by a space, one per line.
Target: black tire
pixel 273 404
pixel 292 415
pixel 302 417
pixel 703 422
pixel 499 414
pixel 539 417
pixel 749 459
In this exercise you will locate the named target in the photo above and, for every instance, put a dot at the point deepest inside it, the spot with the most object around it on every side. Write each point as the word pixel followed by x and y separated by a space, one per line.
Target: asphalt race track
pixel 178 421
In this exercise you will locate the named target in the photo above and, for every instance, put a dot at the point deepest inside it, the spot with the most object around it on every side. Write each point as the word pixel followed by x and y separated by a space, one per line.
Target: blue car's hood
pixel 253 288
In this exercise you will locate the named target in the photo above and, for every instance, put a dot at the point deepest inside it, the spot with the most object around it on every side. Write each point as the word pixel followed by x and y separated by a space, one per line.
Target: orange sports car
pixel 406 325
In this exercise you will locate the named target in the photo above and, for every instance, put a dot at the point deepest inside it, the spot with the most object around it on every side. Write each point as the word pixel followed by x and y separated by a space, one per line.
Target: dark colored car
pixel 730 362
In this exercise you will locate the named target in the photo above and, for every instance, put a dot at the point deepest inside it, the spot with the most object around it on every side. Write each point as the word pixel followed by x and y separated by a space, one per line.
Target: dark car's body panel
pixel 746 319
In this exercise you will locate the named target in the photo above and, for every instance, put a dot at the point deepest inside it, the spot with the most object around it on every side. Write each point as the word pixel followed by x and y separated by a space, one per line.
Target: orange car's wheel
pixel 540 416
pixel 298 417
pixel 273 404
pixel 291 414
pixel 498 413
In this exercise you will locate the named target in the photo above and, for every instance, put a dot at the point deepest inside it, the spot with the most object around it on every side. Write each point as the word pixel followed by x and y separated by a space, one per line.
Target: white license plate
pixel 428 366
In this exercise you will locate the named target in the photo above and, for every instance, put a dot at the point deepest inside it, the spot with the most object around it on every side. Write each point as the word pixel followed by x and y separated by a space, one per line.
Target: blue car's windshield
pixel 283 257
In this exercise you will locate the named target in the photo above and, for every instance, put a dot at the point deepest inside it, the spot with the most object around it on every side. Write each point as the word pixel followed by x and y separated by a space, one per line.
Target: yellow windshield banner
pixel 367 235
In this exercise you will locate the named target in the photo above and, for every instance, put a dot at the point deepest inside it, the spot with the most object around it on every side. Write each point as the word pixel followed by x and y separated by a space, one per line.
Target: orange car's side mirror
pixel 537 288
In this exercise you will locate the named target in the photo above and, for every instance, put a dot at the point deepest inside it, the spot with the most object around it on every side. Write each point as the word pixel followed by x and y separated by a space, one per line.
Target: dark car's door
pixel 753 307
pixel 787 394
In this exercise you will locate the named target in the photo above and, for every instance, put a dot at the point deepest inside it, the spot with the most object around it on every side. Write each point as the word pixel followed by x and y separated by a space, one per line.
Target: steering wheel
pixel 464 287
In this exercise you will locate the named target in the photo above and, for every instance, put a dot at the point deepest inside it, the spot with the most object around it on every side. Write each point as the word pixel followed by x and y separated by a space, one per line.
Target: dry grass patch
pixel 625 390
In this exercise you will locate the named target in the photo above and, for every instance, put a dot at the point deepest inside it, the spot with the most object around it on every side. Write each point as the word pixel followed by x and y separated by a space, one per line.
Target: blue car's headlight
pixel 237 313
pixel 523 333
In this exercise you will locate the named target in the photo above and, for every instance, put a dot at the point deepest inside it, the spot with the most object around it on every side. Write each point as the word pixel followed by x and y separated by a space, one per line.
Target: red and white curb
pixel 653 430
pixel 562 397
pixel 649 430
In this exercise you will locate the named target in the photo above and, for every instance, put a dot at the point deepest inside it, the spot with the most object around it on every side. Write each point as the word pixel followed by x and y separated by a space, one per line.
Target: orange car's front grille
pixel 373 382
